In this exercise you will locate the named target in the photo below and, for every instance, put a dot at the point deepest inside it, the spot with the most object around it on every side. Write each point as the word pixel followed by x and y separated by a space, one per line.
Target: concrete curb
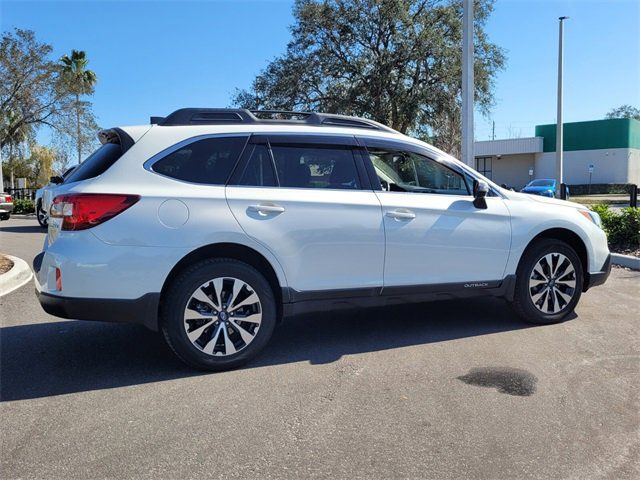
pixel 19 275
pixel 628 261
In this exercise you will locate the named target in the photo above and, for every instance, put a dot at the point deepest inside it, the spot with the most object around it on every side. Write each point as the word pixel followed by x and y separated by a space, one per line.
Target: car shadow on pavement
pixel 23 229
pixel 44 359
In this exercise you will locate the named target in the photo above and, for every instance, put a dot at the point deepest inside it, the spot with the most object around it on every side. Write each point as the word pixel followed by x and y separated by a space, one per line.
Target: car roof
pixel 179 133
pixel 187 123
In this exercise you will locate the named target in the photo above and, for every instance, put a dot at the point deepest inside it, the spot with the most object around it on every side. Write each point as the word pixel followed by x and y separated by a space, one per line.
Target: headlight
pixel 593 216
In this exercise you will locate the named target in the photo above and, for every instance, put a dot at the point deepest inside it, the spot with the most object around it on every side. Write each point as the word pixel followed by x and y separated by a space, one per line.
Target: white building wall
pixel 634 166
pixel 616 165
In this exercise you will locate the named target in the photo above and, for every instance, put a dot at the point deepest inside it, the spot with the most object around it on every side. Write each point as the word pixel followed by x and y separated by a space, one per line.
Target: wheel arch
pixel 235 251
pixel 569 237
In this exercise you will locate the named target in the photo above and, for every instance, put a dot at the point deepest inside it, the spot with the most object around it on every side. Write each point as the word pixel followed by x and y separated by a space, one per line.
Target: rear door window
pixel 316 166
pixel 259 171
pixel 208 161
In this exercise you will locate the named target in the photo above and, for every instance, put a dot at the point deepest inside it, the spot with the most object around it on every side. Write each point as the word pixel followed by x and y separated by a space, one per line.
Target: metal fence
pixel 22 193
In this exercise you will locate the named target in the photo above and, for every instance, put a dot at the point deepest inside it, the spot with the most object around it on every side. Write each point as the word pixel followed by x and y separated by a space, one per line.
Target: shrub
pixel 623 229
pixel 23 206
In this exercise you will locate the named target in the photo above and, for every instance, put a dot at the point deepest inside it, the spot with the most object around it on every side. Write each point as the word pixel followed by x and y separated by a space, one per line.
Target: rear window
pixel 209 161
pixel 97 163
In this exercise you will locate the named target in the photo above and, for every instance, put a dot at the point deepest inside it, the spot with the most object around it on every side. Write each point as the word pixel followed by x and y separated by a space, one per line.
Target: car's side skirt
pixel 312 301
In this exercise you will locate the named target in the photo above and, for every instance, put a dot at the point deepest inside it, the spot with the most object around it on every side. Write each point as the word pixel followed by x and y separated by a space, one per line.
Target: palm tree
pixel 80 81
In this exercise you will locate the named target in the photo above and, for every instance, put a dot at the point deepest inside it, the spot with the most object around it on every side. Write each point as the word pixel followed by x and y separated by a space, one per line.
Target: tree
pixel 625 111
pixel 73 137
pixel 30 96
pixel 79 81
pixel 396 61
pixel 42 159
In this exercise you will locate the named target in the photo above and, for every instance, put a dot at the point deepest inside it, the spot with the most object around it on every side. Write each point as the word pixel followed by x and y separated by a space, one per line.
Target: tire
pixel 41 215
pixel 539 297
pixel 221 338
pixel 5 216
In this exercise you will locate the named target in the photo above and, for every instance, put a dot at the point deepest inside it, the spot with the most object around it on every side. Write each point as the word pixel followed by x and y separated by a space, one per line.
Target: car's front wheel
pixel 41 215
pixel 549 282
pixel 218 314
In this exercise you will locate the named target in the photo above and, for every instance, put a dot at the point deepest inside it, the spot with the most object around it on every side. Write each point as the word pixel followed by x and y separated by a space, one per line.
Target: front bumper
pixel 598 278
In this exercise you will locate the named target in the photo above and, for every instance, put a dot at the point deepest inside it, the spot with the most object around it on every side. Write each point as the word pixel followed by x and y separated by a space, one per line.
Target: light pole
pixel 559 128
pixel 467 83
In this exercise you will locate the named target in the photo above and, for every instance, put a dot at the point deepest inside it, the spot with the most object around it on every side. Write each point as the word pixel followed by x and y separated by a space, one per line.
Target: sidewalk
pixel 18 275
pixel 618 199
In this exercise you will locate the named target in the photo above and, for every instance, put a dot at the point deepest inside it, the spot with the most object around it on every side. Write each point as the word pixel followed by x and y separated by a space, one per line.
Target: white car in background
pixel 6 206
pixel 44 196
pixel 211 225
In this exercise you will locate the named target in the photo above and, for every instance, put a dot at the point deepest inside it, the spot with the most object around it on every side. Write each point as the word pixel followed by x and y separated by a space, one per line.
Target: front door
pixel 434 233
pixel 307 199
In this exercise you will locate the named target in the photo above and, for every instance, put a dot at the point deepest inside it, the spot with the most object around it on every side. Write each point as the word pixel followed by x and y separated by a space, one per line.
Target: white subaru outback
pixel 211 225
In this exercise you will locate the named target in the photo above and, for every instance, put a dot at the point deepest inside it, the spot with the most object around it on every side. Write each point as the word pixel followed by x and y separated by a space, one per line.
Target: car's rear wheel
pixel 549 282
pixel 218 314
pixel 41 215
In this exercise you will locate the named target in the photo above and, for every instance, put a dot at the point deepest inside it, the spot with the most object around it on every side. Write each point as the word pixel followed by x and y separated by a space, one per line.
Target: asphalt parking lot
pixel 444 390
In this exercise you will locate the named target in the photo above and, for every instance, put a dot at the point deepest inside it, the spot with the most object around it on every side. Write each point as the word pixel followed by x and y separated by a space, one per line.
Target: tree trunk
pixel 78 139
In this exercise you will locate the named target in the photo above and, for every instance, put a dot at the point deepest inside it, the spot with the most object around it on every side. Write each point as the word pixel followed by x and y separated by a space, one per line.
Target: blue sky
pixel 153 57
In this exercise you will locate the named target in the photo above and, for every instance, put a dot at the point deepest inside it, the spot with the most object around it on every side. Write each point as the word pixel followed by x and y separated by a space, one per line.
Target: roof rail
pixel 216 116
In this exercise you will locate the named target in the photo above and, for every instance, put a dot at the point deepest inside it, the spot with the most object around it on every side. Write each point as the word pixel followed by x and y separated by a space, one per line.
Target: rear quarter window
pixel 97 163
pixel 208 161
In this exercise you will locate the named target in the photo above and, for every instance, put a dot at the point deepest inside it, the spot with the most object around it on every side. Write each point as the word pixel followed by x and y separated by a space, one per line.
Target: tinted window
pixel 410 172
pixel 315 166
pixel 209 161
pixel 97 163
pixel 259 170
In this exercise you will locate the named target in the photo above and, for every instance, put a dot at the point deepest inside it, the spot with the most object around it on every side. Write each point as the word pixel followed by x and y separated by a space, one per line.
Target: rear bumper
pixel 142 310
pixel 6 207
pixel 598 278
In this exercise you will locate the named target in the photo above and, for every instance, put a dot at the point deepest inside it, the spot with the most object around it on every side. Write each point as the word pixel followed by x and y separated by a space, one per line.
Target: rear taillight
pixel 8 199
pixel 80 211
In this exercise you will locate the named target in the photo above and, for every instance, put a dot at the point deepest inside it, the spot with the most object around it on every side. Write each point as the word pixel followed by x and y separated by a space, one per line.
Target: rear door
pixel 308 200
pixel 434 233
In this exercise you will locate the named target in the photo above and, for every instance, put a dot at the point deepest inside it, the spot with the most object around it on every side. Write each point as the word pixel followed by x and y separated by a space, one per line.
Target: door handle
pixel 401 214
pixel 264 209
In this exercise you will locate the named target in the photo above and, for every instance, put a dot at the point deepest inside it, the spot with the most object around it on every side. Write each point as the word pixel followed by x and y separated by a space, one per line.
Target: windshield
pixel 541 183
pixel 97 163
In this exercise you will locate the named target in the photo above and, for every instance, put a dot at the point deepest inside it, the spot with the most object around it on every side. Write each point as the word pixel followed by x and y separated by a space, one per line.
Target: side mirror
pixel 56 179
pixel 480 191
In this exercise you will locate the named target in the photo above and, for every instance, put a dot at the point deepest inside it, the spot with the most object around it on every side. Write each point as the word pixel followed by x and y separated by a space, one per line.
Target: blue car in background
pixel 542 186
